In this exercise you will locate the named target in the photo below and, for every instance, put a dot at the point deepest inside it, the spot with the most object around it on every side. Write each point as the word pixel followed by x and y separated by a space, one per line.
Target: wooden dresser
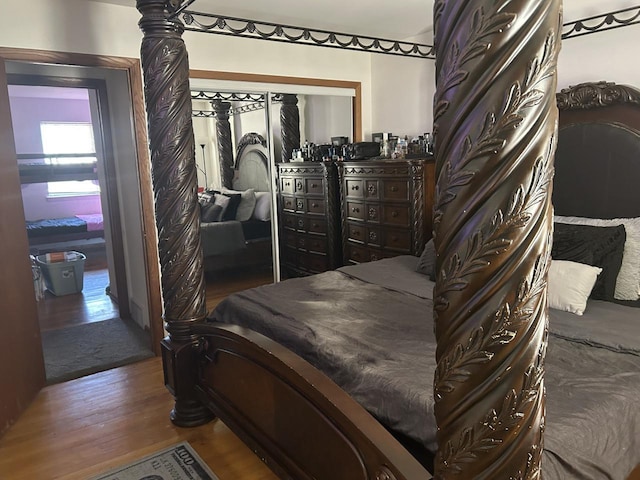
pixel 386 208
pixel 309 217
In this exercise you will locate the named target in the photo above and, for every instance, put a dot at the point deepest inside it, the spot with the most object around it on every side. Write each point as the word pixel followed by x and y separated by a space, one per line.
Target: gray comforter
pixel 369 328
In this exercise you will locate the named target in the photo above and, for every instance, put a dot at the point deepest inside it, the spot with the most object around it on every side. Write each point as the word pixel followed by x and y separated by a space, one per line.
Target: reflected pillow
pixel 427 262
pixel 223 202
pixel 246 203
pixel 570 284
pixel 262 211
pixel 210 213
pixel 232 206
pixel 597 246
pixel 628 280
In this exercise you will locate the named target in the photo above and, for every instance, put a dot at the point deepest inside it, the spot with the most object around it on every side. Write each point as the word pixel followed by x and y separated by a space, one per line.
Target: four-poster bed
pixel 495 121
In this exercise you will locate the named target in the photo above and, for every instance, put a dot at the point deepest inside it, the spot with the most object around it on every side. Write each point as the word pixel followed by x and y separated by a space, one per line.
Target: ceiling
pixel 376 18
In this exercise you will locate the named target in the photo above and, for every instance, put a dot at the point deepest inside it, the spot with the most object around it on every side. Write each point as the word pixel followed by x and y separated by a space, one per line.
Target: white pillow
pixel 570 285
pixel 247 203
pixel 628 280
pixel 263 206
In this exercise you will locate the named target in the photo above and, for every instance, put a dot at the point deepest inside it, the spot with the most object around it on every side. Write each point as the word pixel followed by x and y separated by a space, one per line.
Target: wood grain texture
pixel 165 66
pixel 78 429
pixel 495 122
pixel 289 125
pixel 22 366
pixel 225 144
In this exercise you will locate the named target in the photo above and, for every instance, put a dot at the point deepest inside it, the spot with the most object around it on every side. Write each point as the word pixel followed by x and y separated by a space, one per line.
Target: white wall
pixel 609 55
pixel 402 91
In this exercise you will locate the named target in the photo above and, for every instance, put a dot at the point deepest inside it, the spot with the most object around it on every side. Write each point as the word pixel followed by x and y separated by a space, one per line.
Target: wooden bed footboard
pixel 300 423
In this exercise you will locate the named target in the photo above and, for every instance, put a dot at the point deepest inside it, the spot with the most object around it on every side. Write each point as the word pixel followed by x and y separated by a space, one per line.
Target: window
pixel 64 139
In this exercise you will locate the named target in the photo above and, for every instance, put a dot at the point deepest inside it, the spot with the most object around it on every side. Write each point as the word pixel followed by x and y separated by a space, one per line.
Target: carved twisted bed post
pixel 495 120
pixel 225 147
pixel 289 125
pixel 166 76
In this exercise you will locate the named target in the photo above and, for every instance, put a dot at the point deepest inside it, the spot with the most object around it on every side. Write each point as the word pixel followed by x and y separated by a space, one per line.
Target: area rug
pixel 88 348
pixel 179 462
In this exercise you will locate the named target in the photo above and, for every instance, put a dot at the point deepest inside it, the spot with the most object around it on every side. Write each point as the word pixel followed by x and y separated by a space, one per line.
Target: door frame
pixel 134 74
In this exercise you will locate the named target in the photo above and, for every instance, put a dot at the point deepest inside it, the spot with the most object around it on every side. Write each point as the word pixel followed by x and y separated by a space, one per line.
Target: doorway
pixel 72 211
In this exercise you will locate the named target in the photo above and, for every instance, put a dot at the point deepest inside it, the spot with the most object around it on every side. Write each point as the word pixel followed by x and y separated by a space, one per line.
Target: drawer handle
pixel 394 188
pixel 287 183
pixel 373 213
pixel 302 242
pixel 394 214
pixel 372 189
pixel 355 187
pixel 300 204
pixel 301 223
pixel 314 225
pixel 314 185
pixel 314 205
pixel 355 210
pixel 356 233
pixel 373 236
pixel 374 257
pixel 299 185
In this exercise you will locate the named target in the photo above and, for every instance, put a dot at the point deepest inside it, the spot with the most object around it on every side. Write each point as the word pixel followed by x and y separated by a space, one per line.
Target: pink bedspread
pixel 94 221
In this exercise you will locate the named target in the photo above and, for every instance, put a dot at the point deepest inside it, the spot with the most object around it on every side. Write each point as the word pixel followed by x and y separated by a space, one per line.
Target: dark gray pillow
pixel 211 212
pixel 427 263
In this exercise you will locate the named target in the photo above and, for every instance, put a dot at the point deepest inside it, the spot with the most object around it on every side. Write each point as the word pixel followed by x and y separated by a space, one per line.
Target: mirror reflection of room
pixel 232 161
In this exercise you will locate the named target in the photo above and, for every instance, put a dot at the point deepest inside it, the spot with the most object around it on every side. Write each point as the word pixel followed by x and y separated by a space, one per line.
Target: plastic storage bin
pixel 62 277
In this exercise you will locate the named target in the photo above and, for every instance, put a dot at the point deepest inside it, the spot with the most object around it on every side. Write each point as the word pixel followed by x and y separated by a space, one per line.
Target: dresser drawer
pixel 314 186
pixel 355 210
pixel 398 240
pixel 286 185
pixel 357 254
pixel 353 188
pixel 357 233
pixel 313 263
pixel 315 205
pixel 374 236
pixel 396 215
pixel 396 190
pixel 294 222
pixel 288 203
pixel 361 254
pixel 373 213
pixel 313 243
pixel 290 239
pixel 372 189
pixel 316 225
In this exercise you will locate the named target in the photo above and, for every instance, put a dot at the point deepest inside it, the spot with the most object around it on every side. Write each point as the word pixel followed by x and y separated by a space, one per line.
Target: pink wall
pixel 26 114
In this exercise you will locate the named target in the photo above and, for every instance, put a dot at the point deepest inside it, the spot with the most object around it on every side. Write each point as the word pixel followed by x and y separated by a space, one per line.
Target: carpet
pixel 179 462
pixel 88 348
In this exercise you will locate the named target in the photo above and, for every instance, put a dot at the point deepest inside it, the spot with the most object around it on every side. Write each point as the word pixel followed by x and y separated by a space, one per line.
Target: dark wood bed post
pixel 289 125
pixel 495 119
pixel 168 101
pixel 225 147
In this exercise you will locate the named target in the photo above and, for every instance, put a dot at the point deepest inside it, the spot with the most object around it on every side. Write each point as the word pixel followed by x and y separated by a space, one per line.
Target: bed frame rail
pixel 300 423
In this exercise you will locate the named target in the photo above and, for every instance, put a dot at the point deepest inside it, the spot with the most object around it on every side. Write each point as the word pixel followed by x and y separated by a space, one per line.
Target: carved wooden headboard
pixel 597 165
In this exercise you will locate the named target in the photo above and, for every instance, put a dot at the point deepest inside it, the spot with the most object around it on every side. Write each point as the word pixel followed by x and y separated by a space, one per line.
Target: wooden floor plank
pixel 77 429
